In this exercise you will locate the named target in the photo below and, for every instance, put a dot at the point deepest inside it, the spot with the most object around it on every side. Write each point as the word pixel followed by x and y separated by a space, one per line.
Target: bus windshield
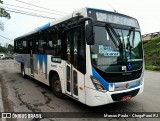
pixel 107 57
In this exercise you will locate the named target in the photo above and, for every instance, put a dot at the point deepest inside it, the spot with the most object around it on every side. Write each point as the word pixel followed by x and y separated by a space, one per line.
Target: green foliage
pixel 152 54
pixel 3 49
pixel 10 49
pixel 5 14
pixel 153 68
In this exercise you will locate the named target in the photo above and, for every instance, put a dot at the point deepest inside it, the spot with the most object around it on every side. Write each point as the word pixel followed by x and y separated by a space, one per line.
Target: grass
pixel 153 68
pixel 152 54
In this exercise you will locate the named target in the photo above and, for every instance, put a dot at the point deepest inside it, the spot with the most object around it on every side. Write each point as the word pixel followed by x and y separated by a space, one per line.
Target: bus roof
pixel 82 11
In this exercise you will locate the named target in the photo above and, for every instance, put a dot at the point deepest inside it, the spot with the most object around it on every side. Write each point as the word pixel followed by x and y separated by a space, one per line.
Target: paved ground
pixel 28 95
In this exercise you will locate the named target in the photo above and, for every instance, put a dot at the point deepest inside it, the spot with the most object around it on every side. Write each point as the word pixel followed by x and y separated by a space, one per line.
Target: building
pixel 148 37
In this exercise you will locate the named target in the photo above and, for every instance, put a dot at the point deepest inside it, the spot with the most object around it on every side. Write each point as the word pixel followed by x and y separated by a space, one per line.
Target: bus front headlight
pixel 97 84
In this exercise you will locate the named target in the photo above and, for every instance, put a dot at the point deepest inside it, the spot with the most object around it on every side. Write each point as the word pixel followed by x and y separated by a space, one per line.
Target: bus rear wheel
pixel 23 72
pixel 56 87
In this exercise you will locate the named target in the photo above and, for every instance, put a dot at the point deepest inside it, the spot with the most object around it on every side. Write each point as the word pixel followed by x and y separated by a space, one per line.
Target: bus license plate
pixel 126 98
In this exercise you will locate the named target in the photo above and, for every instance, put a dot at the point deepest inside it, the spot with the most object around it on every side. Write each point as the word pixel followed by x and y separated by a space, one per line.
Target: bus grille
pixel 118 97
pixel 119 77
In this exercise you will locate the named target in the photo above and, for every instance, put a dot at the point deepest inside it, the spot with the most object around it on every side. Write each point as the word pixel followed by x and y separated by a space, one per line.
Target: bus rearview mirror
pixel 89 30
pixel 90 34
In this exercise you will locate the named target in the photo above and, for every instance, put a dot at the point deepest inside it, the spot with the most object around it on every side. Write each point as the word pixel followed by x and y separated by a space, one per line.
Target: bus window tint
pixel 75 39
pixel 53 42
pixel 18 46
pixel 81 52
pixel 42 42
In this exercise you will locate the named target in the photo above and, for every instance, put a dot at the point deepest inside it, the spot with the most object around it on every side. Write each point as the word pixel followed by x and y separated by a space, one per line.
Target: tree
pixel 3 13
pixel 10 49
pixel 3 49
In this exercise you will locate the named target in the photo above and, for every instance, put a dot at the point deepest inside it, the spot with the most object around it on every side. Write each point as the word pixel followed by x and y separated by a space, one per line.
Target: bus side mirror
pixel 89 34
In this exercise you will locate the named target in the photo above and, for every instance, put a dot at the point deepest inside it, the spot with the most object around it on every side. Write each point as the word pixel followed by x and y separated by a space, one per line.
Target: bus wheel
pixel 23 72
pixel 56 87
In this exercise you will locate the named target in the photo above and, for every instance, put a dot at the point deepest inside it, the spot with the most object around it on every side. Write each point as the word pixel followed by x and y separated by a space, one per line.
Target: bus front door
pixel 71 71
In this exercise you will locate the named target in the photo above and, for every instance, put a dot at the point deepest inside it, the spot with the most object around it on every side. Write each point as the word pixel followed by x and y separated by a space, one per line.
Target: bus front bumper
pixel 97 98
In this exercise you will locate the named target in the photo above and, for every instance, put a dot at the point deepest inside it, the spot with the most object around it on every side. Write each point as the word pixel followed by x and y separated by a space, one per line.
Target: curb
pixel 1 104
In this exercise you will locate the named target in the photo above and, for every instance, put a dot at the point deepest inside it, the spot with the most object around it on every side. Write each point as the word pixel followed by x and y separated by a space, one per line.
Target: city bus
pixel 94 56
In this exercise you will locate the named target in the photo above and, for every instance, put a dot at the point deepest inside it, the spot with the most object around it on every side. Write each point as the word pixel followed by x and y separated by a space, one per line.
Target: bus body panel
pixel 17 64
pixel 101 98
pixel 58 68
pixel 88 82
pixel 94 97
pixel 22 59
pixel 80 86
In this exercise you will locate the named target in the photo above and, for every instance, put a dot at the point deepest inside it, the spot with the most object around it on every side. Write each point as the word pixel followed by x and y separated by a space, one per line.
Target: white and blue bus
pixel 94 56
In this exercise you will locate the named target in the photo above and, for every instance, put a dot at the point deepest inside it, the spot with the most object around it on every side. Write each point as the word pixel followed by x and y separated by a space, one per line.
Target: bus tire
pixel 23 72
pixel 56 87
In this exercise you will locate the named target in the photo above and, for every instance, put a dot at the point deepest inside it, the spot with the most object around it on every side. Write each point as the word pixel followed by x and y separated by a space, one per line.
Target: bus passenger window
pixel 24 46
pixel 42 46
pixel 53 42
pixel 19 46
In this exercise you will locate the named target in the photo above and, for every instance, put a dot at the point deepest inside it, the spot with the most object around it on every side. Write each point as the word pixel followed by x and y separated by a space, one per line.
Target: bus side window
pixel 30 46
pixel 50 42
pixel 24 46
pixel 36 47
pixel 58 47
pixel 19 46
pixel 53 42
pixel 41 47
pixel 42 42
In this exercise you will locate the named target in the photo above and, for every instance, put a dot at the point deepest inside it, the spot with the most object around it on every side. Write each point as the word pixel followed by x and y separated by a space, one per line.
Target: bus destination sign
pixel 116 19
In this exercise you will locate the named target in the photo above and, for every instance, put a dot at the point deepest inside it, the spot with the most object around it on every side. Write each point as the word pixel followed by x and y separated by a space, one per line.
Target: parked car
pixel 2 56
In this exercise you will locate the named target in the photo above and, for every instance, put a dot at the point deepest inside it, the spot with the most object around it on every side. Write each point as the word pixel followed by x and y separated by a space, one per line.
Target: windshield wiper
pixel 129 35
pixel 130 44
pixel 115 38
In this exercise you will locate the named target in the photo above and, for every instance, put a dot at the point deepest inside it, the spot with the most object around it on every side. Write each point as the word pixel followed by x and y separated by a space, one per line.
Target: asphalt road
pixel 29 95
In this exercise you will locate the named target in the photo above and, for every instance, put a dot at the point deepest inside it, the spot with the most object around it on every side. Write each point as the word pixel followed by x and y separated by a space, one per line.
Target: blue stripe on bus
pixel 136 85
pixel 20 61
pixel 102 81
pixel 42 58
pixel 106 84
pixel 43 27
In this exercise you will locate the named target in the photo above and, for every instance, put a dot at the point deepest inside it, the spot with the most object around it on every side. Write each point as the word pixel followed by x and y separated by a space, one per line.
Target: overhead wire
pixel 39 6
pixel 5 37
pixel 30 14
pixel 18 9
pixel 26 13
pixel 32 9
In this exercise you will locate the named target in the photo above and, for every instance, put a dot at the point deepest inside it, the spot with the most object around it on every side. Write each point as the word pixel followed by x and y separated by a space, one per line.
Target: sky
pixel 145 11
